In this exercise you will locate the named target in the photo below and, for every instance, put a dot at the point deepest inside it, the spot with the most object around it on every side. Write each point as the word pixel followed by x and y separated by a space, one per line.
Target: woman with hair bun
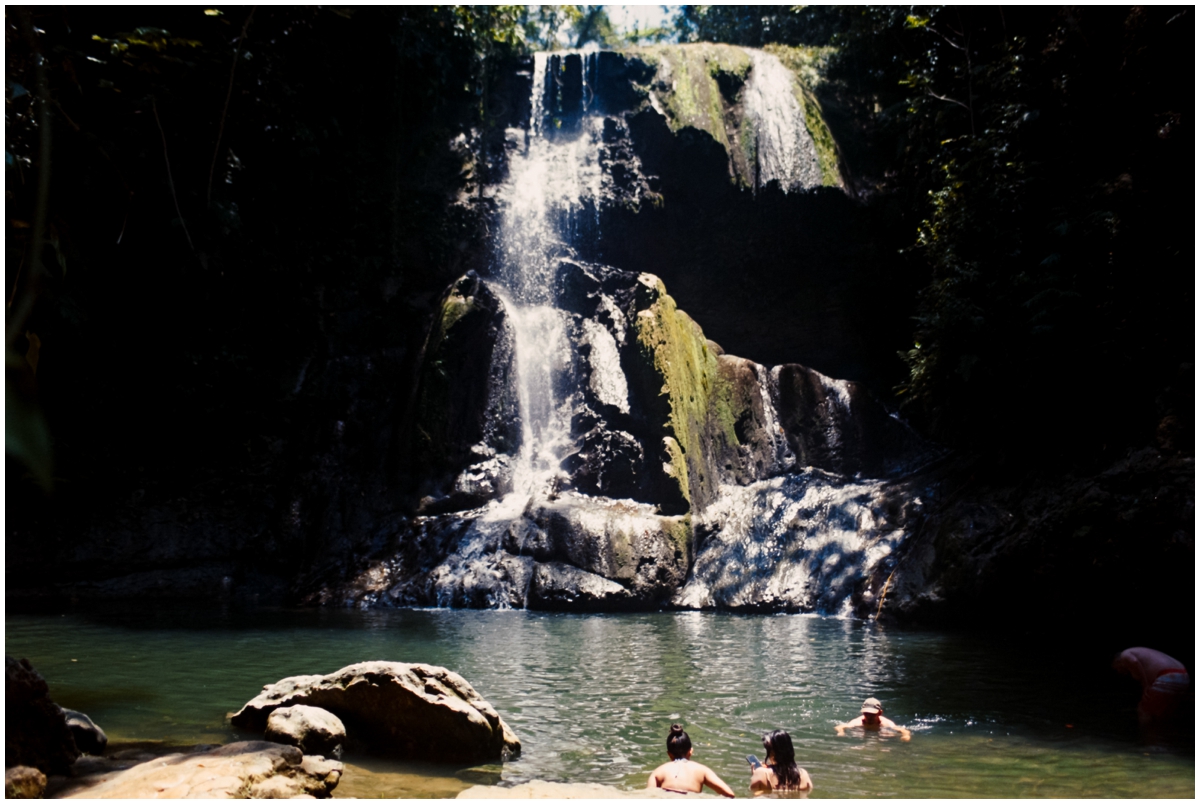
pixel 780 772
pixel 681 775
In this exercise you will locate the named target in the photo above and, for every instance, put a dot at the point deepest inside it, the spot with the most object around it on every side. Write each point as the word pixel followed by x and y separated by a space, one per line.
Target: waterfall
pixel 784 150
pixel 653 469
pixel 550 200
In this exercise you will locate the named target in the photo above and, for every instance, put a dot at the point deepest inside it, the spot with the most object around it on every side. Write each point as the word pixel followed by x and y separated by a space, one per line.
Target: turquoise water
pixel 592 696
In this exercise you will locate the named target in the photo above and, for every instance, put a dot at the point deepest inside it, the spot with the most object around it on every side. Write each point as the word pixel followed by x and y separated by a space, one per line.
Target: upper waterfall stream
pixel 551 197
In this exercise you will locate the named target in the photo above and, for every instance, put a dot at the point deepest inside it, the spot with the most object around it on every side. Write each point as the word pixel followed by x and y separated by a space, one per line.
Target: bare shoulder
pixel 762 780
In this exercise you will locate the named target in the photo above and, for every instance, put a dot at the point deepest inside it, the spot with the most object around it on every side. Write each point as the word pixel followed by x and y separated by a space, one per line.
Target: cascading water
pixel 653 470
pixel 784 151
pixel 551 198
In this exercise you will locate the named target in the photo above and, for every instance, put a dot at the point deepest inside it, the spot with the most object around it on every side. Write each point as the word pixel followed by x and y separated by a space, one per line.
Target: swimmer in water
pixel 780 771
pixel 1166 685
pixel 681 775
pixel 872 719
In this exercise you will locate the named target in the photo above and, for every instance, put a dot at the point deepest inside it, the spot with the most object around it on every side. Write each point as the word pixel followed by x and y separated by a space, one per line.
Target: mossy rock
pixel 694 84
pixel 466 402
pixel 703 404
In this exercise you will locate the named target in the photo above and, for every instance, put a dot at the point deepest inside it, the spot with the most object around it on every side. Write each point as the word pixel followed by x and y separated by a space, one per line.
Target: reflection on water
pixel 592 696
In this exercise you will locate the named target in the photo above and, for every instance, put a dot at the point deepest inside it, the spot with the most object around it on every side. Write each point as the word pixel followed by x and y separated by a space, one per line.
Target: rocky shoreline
pixel 409 711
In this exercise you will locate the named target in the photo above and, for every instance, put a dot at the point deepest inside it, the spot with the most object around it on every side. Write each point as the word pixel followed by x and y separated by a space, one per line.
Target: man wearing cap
pixel 872 719
pixel 1166 685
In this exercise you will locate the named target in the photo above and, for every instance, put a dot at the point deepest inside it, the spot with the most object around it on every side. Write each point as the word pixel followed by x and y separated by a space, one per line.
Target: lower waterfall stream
pixel 591 696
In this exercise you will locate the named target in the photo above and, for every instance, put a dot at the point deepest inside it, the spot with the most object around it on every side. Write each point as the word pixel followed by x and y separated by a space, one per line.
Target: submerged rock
pixel 35 728
pixel 252 769
pixel 416 711
pixel 309 728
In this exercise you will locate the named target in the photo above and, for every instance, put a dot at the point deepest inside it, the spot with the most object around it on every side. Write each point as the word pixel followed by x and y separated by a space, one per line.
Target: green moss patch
pixel 704 406
pixel 692 82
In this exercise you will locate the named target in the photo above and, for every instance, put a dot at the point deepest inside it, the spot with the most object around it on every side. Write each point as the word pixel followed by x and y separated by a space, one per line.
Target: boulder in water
pixel 559 586
pixel 416 711
pixel 309 728
pixel 89 738
pixel 35 729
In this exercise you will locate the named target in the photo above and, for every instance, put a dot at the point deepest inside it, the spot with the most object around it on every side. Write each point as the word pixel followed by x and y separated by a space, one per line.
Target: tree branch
pixel 945 38
pixel 933 94
pixel 237 54
pixel 170 180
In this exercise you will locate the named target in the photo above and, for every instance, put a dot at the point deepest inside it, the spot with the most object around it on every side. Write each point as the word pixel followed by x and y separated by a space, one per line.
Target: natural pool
pixel 592 696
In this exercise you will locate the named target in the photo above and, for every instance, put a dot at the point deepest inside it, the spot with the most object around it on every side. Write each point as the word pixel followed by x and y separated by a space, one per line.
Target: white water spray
pixel 784 147
pixel 553 184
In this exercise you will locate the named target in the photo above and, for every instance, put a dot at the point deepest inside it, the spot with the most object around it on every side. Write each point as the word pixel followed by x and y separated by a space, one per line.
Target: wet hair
pixel 678 742
pixel 778 744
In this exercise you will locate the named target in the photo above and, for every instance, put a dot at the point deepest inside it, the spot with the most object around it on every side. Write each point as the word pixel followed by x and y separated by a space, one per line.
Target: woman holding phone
pixel 780 771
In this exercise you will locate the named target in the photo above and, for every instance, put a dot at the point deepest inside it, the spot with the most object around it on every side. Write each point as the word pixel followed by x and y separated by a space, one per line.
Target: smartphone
pixel 753 760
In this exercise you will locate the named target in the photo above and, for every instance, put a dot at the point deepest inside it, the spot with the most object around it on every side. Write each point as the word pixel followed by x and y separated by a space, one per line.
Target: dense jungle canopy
pixel 227 227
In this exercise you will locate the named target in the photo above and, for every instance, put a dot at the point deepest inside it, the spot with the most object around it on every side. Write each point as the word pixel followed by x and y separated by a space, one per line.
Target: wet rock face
pixel 803 542
pixel 1129 526
pixel 35 728
pixel 577 552
pixel 466 407
pixel 664 428
pixel 836 426
pixel 408 710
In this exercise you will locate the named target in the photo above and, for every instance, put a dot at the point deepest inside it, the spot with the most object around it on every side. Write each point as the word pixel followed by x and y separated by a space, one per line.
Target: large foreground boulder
pixel 24 782
pixel 253 769
pixel 416 711
pixel 35 729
